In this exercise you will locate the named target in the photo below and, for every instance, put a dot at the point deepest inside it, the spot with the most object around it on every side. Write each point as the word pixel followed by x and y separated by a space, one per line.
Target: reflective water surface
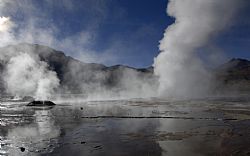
pixel 137 127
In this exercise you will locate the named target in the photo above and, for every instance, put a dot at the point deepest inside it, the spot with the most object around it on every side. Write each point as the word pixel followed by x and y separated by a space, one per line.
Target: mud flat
pixel 136 127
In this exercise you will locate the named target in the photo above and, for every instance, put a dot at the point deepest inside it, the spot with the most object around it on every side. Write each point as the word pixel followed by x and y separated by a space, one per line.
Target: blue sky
pixel 113 31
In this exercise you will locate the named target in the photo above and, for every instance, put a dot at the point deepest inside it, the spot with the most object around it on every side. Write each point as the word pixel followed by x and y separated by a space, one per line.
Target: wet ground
pixel 138 127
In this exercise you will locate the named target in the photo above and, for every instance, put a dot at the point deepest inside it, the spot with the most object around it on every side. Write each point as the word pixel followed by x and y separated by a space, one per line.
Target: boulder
pixel 41 103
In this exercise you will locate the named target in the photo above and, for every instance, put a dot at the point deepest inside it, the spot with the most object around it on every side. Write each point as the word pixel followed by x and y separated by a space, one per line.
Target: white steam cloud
pixel 25 71
pixel 181 73
pixel 5 24
pixel 34 25
pixel 27 76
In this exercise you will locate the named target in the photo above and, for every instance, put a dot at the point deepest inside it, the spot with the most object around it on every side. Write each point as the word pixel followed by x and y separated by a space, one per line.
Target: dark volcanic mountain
pixel 78 77
pixel 234 75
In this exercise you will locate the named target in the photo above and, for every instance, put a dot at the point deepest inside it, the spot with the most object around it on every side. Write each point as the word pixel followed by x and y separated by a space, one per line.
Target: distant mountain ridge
pixel 235 64
pixel 79 77
pixel 234 75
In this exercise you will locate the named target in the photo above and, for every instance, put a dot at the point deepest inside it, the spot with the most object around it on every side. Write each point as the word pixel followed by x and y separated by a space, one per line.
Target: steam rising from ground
pixel 181 73
pixel 28 76
pixel 25 73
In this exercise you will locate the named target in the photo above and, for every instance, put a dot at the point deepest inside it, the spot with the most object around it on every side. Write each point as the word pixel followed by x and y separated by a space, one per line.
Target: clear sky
pixel 112 31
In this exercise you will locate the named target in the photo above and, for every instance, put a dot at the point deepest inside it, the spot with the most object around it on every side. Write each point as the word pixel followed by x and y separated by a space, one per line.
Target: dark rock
pixel 98 146
pixel 22 149
pixel 41 103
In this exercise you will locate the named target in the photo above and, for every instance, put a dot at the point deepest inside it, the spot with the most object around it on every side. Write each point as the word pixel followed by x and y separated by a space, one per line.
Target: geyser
pixel 26 75
pixel 181 73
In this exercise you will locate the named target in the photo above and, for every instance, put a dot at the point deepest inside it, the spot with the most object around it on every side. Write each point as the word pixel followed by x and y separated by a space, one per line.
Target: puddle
pixel 129 128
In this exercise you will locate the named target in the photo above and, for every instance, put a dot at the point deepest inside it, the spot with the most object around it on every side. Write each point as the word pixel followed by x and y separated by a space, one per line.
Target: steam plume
pixel 5 24
pixel 181 73
pixel 26 75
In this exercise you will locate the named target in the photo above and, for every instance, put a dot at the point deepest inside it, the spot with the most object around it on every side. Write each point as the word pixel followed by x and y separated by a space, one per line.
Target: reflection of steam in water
pixel 117 128
pixel 190 137
pixel 36 137
pixel 45 122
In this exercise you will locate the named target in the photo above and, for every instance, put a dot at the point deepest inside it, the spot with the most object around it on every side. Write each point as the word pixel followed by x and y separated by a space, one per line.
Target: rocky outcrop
pixel 41 103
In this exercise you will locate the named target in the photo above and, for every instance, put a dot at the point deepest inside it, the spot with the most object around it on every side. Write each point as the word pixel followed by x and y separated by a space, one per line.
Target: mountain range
pixel 77 77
